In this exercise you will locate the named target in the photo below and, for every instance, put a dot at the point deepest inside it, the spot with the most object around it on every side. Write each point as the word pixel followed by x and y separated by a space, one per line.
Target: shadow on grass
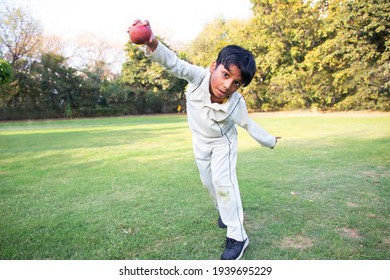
pixel 18 142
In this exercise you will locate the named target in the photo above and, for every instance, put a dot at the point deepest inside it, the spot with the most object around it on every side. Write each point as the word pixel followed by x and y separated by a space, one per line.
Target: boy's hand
pixel 138 22
pixel 153 42
pixel 276 140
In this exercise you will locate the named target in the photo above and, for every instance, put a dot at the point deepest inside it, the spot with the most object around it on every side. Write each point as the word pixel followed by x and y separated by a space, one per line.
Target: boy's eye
pixel 227 76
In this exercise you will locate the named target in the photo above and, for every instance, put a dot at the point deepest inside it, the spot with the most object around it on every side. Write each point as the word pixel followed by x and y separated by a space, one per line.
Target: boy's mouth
pixel 221 94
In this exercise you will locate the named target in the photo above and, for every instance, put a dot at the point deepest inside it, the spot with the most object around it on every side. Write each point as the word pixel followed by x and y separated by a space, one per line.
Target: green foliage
pixel 215 35
pixel 283 34
pixel 5 72
pixel 325 55
pixel 350 69
pixel 154 89
pixel 310 54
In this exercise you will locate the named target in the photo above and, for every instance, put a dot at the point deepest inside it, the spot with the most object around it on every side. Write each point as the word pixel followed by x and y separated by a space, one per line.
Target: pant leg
pixel 224 177
pixel 203 161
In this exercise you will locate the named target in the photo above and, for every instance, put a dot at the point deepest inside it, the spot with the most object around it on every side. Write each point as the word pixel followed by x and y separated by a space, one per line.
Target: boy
pixel 213 108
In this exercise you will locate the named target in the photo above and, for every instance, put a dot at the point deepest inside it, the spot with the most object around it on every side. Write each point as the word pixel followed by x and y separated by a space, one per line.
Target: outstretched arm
pixel 255 131
pixel 167 58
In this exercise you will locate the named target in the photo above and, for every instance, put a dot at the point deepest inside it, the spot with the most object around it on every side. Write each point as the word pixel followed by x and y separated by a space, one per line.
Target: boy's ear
pixel 213 66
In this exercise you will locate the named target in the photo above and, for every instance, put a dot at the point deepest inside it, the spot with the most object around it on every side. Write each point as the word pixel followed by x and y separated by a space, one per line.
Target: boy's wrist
pixel 152 45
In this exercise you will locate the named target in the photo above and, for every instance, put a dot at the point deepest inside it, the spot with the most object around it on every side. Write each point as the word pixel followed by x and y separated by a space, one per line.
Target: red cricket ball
pixel 140 34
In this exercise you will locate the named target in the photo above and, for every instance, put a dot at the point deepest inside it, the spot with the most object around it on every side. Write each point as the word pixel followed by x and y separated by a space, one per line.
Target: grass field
pixel 128 188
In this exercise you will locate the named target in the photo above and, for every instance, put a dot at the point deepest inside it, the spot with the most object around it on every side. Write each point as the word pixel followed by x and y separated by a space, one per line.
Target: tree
pixel 19 33
pixel 95 54
pixel 216 34
pixel 153 88
pixel 281 34
pixel 350 69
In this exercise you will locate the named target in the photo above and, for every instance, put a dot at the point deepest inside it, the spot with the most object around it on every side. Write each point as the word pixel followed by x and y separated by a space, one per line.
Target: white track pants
pixel 217 168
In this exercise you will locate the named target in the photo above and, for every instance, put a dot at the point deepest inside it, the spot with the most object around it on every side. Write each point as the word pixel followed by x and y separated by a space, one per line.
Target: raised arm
pixel 159 53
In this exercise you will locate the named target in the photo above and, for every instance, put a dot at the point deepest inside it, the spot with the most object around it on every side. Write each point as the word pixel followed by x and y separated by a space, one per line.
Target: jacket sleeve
pixel 174 65
pixel 255 131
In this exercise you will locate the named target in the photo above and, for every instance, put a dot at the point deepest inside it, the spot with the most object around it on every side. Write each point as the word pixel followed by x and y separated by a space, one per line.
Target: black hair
pixel 241 58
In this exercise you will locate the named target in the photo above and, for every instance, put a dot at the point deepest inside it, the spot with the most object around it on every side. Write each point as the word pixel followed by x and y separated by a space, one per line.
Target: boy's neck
pixel 215 99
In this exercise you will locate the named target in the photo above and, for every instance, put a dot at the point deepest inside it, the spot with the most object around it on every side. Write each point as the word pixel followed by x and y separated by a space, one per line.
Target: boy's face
pixel 224 82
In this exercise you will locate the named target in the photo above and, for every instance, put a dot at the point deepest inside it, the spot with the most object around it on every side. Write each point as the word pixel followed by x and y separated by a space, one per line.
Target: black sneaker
pixel 220 223
pixel 234 249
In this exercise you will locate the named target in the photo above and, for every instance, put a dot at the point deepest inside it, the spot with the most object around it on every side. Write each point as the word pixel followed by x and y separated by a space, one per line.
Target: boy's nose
pixel 227 84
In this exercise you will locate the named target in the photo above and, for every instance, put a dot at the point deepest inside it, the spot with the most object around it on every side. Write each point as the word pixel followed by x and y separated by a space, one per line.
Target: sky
pixel 174 20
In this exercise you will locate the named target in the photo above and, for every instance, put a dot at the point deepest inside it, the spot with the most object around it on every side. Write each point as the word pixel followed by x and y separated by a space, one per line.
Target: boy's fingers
pixel 135 22
pixel 138 22
pixel 151 38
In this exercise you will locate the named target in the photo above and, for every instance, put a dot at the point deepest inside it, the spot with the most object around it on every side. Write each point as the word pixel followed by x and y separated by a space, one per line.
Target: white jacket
pixel 209 122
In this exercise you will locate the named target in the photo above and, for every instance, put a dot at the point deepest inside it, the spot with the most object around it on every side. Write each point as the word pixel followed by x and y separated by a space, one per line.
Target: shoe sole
pixel 243 248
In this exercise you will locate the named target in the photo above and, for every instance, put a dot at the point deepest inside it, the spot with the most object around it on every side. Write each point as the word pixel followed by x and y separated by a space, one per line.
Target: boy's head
pixel 234 67
pixel 241 58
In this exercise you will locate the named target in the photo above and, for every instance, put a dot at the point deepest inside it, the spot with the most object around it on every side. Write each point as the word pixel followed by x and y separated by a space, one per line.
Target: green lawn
pixel 128 188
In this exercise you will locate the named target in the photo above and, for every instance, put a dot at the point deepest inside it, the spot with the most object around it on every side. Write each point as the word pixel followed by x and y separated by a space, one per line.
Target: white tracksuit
pixel 215 137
